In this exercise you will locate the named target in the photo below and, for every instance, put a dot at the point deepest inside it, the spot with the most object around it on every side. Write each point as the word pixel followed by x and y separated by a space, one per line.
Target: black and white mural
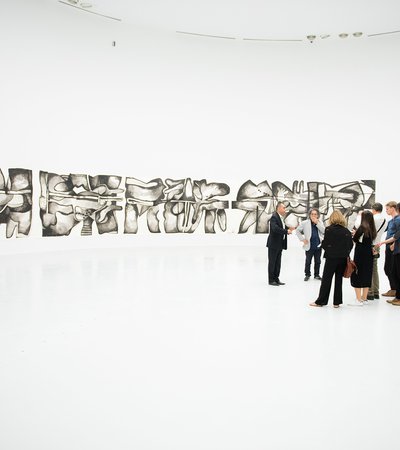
pixel 258 201
pixel 183 204
pixel 67 201
pixel 102 204
pixel 16 202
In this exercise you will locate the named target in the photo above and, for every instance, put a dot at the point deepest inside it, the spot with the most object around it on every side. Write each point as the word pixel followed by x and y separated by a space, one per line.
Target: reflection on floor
pixel 189 348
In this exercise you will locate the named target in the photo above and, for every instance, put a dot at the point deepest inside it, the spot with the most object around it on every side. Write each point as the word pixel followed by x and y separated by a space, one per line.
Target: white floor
pixel 189 348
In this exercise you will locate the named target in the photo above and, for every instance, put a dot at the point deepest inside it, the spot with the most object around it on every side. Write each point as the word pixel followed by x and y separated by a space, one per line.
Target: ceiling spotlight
pixel 324 36
pixel 357 34
pixel 343 35
pixel 80 3
pixel 311 38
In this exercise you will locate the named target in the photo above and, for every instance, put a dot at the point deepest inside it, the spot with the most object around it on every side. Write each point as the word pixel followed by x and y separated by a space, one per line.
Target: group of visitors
pixel 337 241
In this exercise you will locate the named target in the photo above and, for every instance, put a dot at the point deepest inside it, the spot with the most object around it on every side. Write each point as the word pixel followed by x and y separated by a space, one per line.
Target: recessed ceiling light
pixel 311 37
pixel 343 35
pixel 357 34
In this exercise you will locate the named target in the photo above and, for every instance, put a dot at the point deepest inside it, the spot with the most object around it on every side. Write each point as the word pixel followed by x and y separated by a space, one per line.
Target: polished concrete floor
pixel 188 348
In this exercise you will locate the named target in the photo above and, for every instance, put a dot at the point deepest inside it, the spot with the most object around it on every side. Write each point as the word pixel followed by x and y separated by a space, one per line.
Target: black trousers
pixel 396 274
pixel 310 254
pixel 274 264
pixel 333 266
pixel 388 267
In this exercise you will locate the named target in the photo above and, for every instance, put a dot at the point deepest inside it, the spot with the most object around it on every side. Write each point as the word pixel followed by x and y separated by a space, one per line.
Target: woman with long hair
pixel 337 245
pixel 363 257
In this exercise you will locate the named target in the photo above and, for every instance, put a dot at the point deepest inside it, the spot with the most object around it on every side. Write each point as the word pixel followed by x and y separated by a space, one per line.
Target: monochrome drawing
pixel 16 202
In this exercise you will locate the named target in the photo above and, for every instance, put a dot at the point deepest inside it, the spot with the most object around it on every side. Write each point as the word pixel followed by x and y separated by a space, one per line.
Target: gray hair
pixel 313 209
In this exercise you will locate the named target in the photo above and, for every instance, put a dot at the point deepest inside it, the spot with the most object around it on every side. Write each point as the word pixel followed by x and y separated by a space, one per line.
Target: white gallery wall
pixel 162 104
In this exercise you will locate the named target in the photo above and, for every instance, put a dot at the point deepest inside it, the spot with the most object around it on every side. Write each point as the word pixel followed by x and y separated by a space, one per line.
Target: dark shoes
pixel 306 278
pixel 371 297
pixel 317 277
pixel 276 283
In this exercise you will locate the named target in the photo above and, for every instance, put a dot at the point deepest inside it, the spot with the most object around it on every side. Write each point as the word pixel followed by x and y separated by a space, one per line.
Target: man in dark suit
pixel 277 241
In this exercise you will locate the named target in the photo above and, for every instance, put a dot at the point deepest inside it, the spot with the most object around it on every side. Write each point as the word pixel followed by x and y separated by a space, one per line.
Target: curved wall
pixel 162 105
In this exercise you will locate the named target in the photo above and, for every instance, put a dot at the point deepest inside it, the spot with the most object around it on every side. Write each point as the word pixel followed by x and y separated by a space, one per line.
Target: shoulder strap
pixel 383 223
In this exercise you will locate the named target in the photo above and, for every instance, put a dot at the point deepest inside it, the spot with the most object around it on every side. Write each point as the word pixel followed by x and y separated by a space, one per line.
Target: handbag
pixel 350 268
pixel 375 252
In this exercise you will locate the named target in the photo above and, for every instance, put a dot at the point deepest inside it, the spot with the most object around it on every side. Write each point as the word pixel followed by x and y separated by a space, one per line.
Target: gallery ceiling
pixel 254 19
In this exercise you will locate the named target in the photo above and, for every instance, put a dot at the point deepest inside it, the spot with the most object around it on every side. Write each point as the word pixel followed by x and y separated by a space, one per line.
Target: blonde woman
pixel 337 245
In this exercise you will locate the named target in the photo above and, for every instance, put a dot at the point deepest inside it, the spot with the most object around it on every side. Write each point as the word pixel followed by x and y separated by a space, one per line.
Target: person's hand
pixel 391 247
pixel 353 232
pixel 379 244
pixel 305 242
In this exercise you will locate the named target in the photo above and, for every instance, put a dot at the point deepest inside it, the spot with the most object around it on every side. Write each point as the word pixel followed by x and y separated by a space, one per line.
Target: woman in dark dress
pixel 363 257
pixel 337 245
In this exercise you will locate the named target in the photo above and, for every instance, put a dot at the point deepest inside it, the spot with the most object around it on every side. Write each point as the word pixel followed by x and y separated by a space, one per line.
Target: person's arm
pixel 357 234
pixel 327 239
pixel 275 228
pixel 300 233
pixel 349 242
pixel 387 241
pixel 395 237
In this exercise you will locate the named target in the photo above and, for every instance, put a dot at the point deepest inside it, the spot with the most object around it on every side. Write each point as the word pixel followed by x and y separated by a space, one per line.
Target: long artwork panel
pixel 102 204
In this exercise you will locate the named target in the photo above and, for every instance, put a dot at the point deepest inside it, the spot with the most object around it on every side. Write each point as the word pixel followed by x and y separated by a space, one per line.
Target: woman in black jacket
pixel 337 244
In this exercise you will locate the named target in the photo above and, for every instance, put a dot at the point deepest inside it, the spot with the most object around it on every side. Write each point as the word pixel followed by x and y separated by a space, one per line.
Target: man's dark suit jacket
pixel 277 238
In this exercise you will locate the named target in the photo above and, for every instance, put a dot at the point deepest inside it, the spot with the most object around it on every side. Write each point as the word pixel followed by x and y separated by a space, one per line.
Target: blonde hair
pixel 391 204
pixel 337 218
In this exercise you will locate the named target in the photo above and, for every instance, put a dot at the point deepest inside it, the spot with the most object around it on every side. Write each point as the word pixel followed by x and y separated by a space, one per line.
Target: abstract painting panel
pixel 16 202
